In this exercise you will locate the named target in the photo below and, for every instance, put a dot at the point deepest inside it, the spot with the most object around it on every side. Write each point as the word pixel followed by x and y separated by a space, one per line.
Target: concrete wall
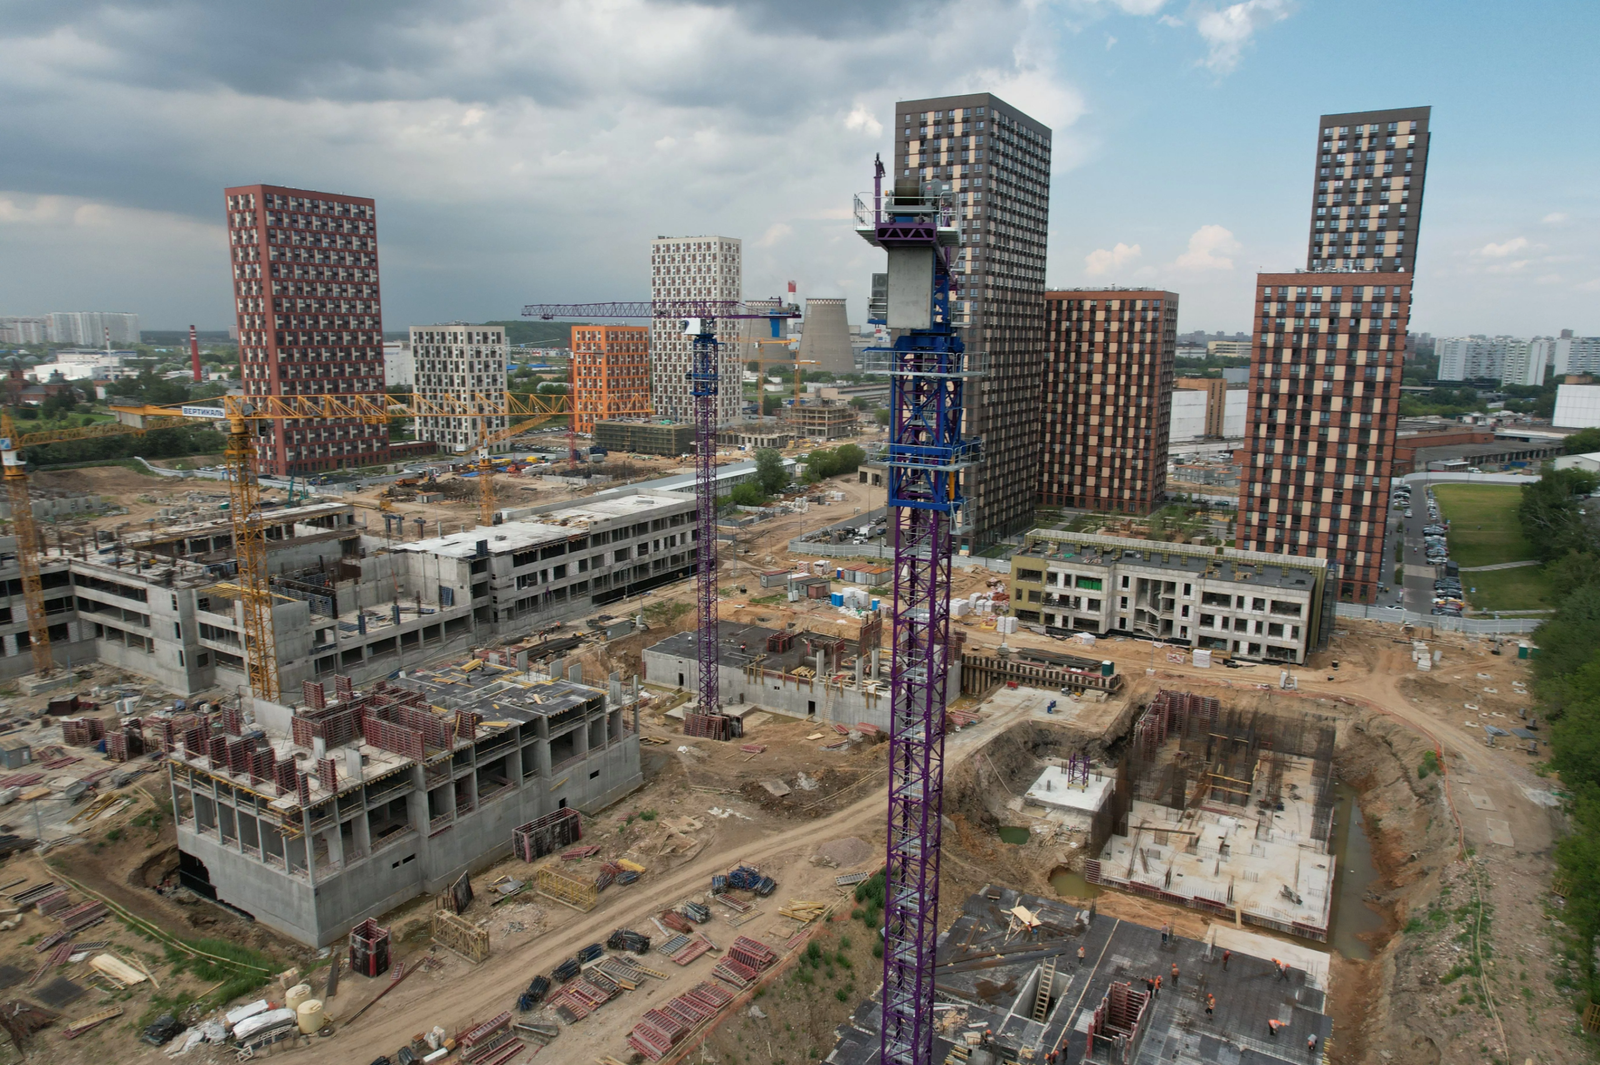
pixel 1188 415
pixel 789 695
pixel 1236 404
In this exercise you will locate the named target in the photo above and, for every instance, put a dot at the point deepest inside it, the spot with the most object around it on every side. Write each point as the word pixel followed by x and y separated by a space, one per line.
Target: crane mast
pixel 27 538
pixel 927 454
pixel 699 318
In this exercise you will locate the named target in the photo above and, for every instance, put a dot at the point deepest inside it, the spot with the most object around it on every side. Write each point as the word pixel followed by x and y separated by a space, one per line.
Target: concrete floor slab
pixel 1481 801
pixel 1052 789
pixel 1500 832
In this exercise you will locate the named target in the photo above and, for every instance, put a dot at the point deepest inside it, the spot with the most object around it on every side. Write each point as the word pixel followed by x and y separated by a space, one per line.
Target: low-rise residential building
pixel 1247 604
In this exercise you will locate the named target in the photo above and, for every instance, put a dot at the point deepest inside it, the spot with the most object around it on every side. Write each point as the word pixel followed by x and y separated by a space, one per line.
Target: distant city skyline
pixel 507 180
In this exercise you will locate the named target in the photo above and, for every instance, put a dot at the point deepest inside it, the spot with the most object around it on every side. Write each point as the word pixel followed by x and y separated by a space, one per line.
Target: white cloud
pixel 1111 42
pixel 863 120
pixel 1140 7
pixel 775 232
pixel 1209 248
pixel 1170 20
pixel 1229 30
pixel 1104 261
pixel 1589 286
pixel 1554 218
pixel 1500 251
pixel 1549 279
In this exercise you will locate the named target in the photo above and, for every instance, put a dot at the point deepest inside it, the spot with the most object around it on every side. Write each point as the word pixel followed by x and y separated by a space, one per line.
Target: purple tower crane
pixel 927 455
pixel 699 319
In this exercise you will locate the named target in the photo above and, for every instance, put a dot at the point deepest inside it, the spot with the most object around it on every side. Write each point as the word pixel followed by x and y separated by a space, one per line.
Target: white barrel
pixel 296 995
pixel 309 1016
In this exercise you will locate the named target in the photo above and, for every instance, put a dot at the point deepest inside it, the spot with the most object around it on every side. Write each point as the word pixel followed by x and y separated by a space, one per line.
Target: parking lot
pixel 1428 588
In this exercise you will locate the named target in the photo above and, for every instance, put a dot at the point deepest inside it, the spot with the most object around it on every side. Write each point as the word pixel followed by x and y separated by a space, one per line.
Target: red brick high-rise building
pixel 1320 433
pixel 1107 399
pixel 305 285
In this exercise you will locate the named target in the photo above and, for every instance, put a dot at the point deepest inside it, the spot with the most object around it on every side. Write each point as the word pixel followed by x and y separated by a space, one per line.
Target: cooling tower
pixel 825 337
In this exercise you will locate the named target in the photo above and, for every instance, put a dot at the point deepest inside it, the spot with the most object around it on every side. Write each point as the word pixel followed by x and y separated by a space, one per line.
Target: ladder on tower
pixel 1041 1000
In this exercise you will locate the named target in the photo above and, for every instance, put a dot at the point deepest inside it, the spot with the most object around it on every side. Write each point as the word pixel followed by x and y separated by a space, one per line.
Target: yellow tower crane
pixel 22 524
pixel 241 412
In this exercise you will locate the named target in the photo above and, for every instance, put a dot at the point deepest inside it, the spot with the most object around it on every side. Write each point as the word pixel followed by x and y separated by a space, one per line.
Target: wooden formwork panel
pixel 461 936
pixel 575 893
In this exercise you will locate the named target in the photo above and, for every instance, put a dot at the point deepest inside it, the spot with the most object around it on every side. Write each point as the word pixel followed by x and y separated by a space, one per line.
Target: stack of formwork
pixel 662 1028
pixel 126 743
pixel 543 835
pixel 369 948
pixel 82 731
pixel 708 726
pixel 490 1043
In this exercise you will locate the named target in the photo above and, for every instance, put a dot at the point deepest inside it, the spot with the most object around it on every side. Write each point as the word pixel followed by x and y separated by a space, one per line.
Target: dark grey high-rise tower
pixel 997 162
pixel 1367 195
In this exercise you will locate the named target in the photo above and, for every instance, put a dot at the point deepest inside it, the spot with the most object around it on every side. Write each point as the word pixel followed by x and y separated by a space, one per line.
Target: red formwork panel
pixel 392 737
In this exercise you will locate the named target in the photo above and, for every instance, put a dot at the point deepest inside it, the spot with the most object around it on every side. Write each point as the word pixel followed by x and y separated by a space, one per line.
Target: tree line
pixel 1560 518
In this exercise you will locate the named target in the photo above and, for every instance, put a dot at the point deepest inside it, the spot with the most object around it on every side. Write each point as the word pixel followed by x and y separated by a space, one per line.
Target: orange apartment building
pixel 610 373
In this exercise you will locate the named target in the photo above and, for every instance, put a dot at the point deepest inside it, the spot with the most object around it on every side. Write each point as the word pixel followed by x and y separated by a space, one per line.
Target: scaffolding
pixel 575 893
pixel 461 936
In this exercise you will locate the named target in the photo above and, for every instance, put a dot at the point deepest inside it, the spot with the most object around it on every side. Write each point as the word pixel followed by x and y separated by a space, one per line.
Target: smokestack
pixel 194 352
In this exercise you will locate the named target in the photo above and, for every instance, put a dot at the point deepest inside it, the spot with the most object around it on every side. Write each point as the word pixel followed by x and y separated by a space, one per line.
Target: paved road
pixel 1419 574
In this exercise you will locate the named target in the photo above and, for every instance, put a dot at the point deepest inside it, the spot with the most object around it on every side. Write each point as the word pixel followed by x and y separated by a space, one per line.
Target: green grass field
pixel 1525 588
pixel 1484 532
pixel 1483 523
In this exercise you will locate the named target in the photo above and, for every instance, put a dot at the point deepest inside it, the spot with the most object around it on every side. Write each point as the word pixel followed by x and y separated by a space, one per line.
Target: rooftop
pixel 1227 563
pixel 556 525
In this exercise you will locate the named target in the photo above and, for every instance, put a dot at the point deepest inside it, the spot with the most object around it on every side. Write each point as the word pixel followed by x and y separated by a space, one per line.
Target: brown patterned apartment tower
pixel 1107 402
pixel 1320 433
pixel 1367 193
pixel 305 286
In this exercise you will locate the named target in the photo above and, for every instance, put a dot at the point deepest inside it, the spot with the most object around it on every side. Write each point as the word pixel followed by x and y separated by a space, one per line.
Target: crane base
pixel 33 684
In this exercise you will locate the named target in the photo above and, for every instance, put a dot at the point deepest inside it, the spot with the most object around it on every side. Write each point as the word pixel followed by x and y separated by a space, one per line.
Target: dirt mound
pixel 844 853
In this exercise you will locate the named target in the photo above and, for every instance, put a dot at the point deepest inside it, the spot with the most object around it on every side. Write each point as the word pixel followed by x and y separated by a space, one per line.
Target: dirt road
pixel 482 991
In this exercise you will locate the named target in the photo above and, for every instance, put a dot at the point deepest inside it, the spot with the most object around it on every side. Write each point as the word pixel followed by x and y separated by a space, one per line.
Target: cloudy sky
pixel 527 151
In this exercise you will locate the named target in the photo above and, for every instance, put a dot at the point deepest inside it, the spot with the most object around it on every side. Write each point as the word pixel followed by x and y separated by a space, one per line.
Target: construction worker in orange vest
pixel 1273 1024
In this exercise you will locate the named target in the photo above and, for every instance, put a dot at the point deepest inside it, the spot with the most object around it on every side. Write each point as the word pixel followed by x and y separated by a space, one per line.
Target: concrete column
pixel 542 751
pixel 305 836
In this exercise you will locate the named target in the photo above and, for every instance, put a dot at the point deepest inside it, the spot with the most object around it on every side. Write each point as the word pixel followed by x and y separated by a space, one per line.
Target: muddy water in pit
pixel 1353 875
pixel 1014 834
pixel 1072 884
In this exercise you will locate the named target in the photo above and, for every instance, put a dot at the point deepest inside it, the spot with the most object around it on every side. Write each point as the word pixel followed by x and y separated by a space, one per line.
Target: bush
pixel 1430 764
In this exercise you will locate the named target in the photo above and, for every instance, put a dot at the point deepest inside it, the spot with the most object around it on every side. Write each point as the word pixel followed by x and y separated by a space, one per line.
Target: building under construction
pixel 1011 988
pixel 165 603
pixel 316 816
pixel 645 438
pixel 1229 811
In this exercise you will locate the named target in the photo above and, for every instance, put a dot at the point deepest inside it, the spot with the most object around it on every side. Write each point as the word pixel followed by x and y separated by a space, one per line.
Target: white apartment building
pixel 1252 604
pixel 708 268
pixel 16 329
pixel 1576 354
pixel 399 367
pixel 89 327
pixel 1471 357
pixel 458 360
pixel 1527 361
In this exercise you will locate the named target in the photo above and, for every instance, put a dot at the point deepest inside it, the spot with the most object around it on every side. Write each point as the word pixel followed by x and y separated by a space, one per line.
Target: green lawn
pixel 1483 523
pixel 1483 532
pixel 1524 588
